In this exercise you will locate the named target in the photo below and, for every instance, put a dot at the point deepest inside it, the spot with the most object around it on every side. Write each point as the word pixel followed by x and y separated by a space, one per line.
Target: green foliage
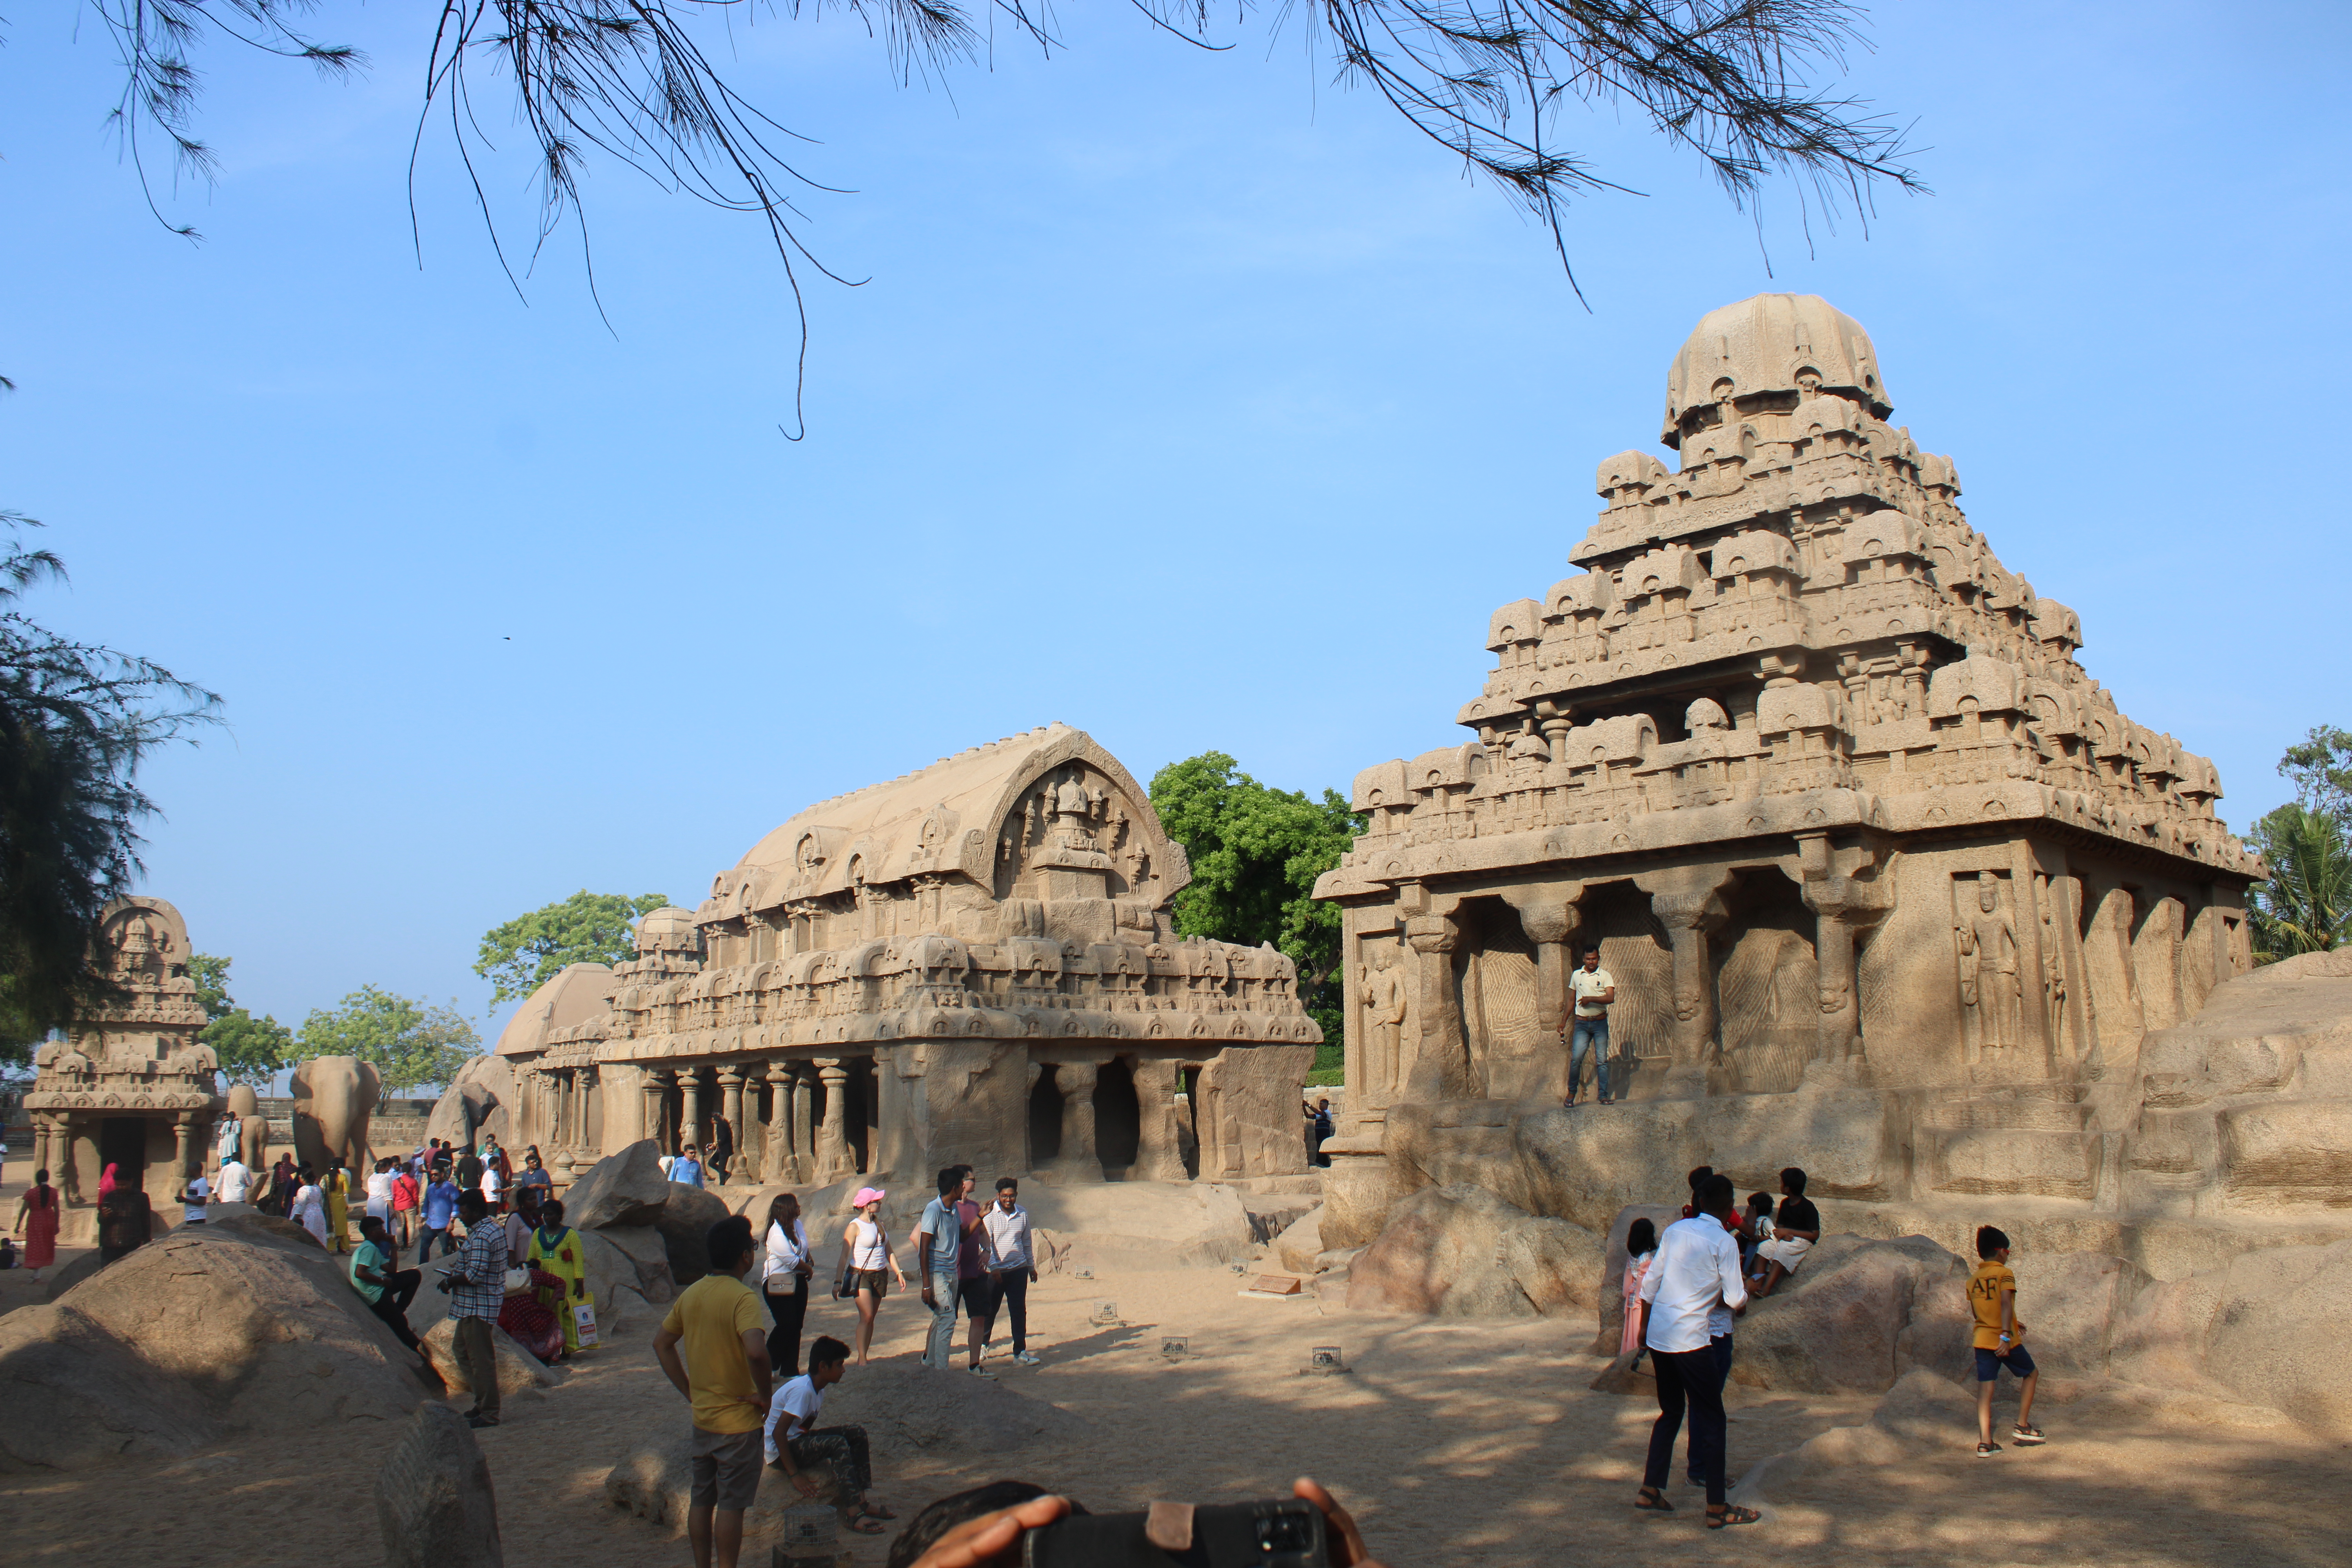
pixel 76 721
pixel 586 927
pixel 412 1043
pixel 1255 853
pixel 251 1050
pixel 2306 906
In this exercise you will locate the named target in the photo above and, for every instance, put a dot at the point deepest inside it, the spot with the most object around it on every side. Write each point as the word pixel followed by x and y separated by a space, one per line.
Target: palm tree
pixel 2306 906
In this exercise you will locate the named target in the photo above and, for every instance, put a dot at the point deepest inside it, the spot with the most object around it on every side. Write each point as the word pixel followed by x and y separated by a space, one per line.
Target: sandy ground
pixel 1456 1444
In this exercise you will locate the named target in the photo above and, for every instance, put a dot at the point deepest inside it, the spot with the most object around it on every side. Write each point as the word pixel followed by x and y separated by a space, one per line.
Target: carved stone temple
pixel 1826 782
pixel 129 1086
pixel 973 963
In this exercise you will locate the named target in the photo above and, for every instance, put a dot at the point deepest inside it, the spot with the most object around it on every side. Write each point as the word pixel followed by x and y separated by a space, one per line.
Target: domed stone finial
pixel 1771 351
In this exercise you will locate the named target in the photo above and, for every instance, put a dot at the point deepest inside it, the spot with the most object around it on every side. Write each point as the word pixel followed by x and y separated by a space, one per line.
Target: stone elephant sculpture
pixel 252 1136
pixel 334 1098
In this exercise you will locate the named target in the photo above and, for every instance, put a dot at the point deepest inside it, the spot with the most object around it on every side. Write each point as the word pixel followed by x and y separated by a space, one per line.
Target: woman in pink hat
pixel 866 1266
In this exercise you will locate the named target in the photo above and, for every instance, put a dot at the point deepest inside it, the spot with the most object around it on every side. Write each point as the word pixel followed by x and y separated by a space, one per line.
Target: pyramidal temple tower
pixel 1821 776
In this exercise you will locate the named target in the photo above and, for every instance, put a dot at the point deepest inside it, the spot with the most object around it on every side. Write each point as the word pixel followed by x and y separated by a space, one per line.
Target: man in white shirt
pixel 192 1199
pixel 236 1180
pixel 1695 1275
pixel 1011 1266
pixel 817 1459
pixel 1587 1029
pixel 225 1146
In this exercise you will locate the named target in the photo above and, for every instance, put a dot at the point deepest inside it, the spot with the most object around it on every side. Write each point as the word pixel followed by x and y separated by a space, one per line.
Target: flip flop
pixel 1732 1514
pixel 866 1524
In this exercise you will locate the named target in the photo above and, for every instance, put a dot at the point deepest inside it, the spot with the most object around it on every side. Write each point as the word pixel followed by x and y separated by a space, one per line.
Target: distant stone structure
pixel 130 1085
pixel 974 961
pixel 1826 783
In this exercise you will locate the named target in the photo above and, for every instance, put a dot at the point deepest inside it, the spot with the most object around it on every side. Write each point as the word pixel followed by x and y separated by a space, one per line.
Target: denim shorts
pixel 1989 1365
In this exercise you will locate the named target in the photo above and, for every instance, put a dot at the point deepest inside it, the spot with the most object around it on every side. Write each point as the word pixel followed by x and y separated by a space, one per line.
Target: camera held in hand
pixel 1280 1532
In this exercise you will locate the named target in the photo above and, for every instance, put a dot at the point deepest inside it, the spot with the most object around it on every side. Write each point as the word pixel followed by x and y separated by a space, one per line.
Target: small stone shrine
pixel 971 962
pixel 131 1085
pixel 1826 783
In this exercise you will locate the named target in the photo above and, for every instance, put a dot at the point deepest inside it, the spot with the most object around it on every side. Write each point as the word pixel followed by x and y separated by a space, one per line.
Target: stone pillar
pixel 1688 901
pixel 1840 1025
pixel 803 1132
pixel 183 1129
pixel 777 1156
pixel 1441 1064
pixel 2032 976
pixel 690 1120
pixel 656 1086
pixel 731 1102
pixel 1158 1155
pixel 1551 922
pixel 1076 1082
pixel 833 1136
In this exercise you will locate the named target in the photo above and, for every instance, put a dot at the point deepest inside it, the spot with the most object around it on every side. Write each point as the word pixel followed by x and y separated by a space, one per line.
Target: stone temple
pixel 1826 782
pixel 973 962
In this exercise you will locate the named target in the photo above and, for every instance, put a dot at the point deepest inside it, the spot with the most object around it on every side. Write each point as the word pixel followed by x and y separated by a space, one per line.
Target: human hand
pixel 979 1543
pixel 804 1483
pixel 1347 1542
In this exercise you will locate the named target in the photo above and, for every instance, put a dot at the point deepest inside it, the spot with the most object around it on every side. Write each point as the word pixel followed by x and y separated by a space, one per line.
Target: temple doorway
pixel 1118 1120
pixel 1044 1120
pixel 122 1143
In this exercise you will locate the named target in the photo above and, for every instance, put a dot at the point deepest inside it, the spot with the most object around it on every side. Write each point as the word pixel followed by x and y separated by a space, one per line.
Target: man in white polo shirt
pixel 1587 1029
pixel 1695 1274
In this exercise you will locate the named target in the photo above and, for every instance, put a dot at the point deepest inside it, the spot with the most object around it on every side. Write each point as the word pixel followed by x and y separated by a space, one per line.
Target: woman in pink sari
pixel 1640 1247
pixel 530 1322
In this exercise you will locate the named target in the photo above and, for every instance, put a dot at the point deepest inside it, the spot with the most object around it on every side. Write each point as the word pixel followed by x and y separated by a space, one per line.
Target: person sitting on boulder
pixel 1795 1229
pixel 822 1461
pixel 386 1291
pixel 1999 1342
pixel 1754 1226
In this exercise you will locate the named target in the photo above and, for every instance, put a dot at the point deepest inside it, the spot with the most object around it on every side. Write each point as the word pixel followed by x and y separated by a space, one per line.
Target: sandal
pixel 1650 1500
pixel 1730 1514
pixel 866 1524
pixel 2026 1436
pixel 1986 1450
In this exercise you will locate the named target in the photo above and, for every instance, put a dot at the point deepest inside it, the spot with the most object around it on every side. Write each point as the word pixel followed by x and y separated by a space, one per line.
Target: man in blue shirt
pixel 440 1205
pixel 685 1168
pixel 938 1243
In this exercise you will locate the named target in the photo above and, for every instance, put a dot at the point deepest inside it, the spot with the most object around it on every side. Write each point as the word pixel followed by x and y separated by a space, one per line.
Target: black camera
pixel 1284 1532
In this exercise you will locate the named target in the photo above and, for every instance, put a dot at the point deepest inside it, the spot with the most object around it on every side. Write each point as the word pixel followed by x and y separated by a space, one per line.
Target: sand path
pixel 1455 1443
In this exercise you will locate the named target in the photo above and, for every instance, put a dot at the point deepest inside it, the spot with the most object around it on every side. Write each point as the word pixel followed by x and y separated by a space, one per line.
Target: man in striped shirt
pixel 474 1301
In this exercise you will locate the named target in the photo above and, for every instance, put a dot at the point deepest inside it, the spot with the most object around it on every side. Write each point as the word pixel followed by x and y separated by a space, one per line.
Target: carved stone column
pixel 833 1138
pixel 1158 1154
pixel 657 1083
pixel 778 1154
pixel 804 1132
pixel 1441 1064
pixel 1551 920
pixel 1076 1082
pixel 689 1118
pixel 183 1128
pixel 731 1102
pixel 1688 901
pixel 1841 903
pixel 2033 972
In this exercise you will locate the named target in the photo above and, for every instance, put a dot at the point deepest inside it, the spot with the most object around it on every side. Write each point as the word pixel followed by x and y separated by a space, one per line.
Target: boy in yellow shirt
pixel 1999 1343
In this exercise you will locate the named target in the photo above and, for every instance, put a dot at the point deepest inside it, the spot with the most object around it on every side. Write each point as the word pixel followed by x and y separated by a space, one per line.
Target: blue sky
pixel 1191 401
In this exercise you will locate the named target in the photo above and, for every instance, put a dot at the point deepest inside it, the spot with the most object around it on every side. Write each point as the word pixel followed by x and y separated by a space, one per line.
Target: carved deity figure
pixel 1988 966
pixel 1385 1004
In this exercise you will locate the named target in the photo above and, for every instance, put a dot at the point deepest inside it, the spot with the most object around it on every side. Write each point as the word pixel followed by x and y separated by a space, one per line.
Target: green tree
pixel 1255 853
pixel 76 723
pixel 2321 767
pixel 251 1050
pixel 529 951
pixel 412 1043
pixel 2306 906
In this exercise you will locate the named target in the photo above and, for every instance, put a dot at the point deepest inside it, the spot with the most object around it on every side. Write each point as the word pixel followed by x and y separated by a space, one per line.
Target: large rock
pixel 613 1283
pixel 687 1216
pixel 243 1219
pixel 432 1497
pixel 1857 1316
pixel 648 1255
pixel 476 1100
pixel 1459 1251
pixel 188 1340
pixel 626 1188
pixel 2260 1328
pixel 519 1371
pixel 1300 1247
pixel 1159 1224
pixel 2071 1304
pixel 656 1481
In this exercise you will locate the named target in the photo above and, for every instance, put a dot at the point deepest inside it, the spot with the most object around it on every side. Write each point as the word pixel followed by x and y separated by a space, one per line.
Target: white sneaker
pixel 1026 1359
pixel 980 1372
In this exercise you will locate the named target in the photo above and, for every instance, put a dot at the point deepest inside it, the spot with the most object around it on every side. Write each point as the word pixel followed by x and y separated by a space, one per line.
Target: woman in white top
pixel 308 1209
pixel 784 1281
pixel 866 1267
pixel 379 1191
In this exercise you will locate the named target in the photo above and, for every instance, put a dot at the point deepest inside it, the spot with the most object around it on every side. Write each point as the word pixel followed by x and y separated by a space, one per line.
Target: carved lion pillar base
pixel 1688 901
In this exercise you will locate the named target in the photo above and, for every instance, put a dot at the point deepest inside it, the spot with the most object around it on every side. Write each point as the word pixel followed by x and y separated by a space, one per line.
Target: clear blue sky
pixel 1191 401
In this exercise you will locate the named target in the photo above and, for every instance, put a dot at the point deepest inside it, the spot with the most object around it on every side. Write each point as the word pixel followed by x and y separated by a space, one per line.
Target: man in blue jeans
pixel 440 1205
pixel 1587 1027
pixel 939 1243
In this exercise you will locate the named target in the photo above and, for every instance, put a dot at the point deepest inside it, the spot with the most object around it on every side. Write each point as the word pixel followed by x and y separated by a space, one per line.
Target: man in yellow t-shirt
pixel 725 1373
pixel 1999 1343
pixel 1587 1030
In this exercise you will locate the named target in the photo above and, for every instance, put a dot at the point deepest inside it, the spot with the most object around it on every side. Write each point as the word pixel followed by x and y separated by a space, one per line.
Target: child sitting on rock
pixel 1755 1229
pixel 826 1462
